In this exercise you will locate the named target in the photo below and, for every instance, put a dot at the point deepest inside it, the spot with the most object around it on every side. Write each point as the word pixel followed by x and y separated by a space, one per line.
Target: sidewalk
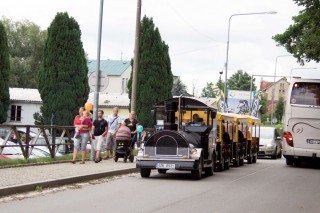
pixel 27 178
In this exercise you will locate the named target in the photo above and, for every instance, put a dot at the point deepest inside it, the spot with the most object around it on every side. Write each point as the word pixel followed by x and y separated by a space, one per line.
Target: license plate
pixel 165 166
pixel 313 141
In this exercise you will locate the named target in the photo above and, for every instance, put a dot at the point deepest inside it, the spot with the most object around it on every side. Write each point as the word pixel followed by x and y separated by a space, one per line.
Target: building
pixel 23 104
pixel 280 90
pixel 117 72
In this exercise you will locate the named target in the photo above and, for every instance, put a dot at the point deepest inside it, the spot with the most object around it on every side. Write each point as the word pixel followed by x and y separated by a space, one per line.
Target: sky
pixel 195 31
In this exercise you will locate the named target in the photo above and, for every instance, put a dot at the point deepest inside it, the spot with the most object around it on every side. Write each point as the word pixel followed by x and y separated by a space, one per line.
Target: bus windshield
pixel 306 93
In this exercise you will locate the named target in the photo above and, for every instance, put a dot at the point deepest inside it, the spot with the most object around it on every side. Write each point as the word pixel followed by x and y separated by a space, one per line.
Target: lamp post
pixel 273 86
pixel 226 74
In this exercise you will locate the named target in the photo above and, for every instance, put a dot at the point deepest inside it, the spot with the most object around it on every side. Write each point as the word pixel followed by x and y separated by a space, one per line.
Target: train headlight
pixel 193 151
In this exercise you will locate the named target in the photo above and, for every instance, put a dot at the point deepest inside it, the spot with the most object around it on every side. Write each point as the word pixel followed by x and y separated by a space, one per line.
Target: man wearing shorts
pixel 114 122
pixel 100 130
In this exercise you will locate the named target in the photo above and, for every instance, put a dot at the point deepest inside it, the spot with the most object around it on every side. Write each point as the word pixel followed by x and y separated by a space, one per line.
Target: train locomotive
pixel 180 142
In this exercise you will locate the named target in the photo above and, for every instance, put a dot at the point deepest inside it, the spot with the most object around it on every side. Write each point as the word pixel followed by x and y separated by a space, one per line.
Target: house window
pixel 123 85
pixel 126 85
pixel 15 113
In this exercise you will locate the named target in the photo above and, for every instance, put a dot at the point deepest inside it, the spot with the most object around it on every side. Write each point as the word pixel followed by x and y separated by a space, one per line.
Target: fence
pixel 53 135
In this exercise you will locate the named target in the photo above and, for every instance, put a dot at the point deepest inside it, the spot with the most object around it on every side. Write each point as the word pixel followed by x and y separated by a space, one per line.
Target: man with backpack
pixel 99 130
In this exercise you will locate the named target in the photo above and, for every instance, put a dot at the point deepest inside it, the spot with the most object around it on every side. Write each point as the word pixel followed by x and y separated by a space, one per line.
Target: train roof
pixel 188 103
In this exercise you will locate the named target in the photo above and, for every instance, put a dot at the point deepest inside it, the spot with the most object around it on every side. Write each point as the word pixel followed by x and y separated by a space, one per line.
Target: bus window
pixel 305 93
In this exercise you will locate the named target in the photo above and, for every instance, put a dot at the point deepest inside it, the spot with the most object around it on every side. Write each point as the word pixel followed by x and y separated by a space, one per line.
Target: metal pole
pixel 250 107
pixel 227 58
pixel 273 87
pixel 136 59
pixel 97 87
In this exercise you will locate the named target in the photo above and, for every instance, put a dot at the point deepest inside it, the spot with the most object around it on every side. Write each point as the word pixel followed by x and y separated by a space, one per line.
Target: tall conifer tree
pixel 4 74
pixel 63 81
pixel 154 73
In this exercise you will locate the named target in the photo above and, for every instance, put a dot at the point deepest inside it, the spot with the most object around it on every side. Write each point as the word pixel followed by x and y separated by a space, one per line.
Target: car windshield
pixel 267 133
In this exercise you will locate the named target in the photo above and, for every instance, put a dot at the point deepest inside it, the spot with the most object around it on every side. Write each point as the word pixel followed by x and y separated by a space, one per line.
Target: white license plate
pixel 165 166
pixel 313 141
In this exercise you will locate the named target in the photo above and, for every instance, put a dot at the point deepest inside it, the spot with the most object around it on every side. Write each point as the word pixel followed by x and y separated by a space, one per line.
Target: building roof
pixel 25 95
pixel 270 84
pixel 111 99
pixel 111 67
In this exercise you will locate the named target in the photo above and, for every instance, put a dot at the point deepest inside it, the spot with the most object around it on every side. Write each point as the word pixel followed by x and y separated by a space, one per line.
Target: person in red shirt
pixel 83 124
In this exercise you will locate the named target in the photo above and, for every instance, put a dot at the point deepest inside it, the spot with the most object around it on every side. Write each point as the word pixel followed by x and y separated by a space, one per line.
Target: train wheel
pixel 145 173
pixel 162 171
pixel 209 170
pixel 196 174
pixel 131 158
pixel 227 165
pixel 235 162
pixel 254 159
pixel 241 162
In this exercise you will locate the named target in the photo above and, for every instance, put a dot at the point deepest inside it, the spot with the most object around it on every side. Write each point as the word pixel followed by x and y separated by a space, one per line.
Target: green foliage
pixel 154 72
pixel 4 74
pixel 241 81
pixel 208 91
pixel 302 38
pixel 179 89
pixel 220 84
pixel 279 109
pixel 263 103
pixel 63 81
pixel 26 44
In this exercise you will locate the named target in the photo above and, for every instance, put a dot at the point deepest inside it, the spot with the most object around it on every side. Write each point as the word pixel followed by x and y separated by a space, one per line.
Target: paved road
pixel 268 186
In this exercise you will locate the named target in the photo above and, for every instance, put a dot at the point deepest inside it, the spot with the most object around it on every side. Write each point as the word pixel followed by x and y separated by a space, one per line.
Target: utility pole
pixel 97 87
pixel 136 59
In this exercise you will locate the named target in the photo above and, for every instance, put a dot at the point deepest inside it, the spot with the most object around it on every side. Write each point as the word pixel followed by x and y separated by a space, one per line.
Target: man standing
pixel 114 122
pixel 99 130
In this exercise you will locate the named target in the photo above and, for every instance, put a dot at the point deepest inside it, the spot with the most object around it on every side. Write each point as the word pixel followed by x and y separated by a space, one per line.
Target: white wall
pixel 115 82
pixel 27 111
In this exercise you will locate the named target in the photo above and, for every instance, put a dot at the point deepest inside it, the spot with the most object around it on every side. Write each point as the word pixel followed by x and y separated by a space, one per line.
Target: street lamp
pixel 226 74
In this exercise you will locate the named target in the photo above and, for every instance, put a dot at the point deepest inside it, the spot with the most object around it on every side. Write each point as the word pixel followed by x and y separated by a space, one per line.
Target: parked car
pixel 270 142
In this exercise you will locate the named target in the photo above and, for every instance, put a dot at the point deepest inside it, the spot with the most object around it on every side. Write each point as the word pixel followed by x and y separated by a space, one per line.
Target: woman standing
pixel 132 123
pixel 83 124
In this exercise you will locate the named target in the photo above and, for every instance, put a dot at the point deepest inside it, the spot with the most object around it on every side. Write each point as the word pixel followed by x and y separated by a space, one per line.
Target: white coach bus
pixel 302 121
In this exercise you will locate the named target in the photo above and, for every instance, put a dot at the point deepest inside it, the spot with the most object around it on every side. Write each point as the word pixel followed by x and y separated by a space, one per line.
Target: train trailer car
pixel 184 138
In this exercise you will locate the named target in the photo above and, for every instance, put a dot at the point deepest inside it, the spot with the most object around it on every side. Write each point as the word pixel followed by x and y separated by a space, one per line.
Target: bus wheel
pixel 145 173
pixel 289 161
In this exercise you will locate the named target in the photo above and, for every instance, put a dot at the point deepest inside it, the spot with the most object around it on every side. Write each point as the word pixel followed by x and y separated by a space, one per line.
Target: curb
pixel 5 191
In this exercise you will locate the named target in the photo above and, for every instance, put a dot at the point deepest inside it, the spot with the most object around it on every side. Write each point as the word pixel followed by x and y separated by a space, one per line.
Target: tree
pixel 4 74
pixel 179 89
pixel 154 72
pixel 279 109
pixel 26 45
pixel 63 81
pixel 241 81
pixel 208 91
pixel 302 38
